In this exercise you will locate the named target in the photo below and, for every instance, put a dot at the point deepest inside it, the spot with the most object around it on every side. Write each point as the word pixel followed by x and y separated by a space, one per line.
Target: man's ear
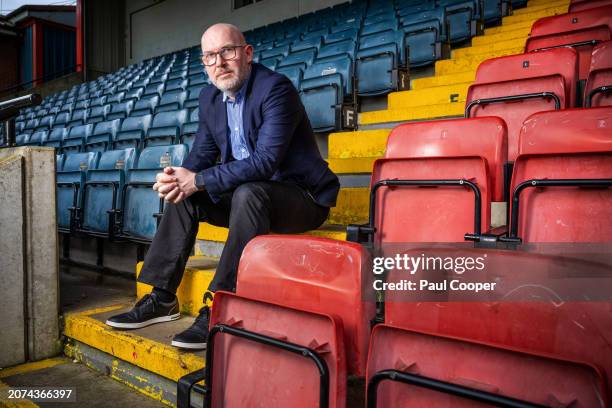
pixel 248 49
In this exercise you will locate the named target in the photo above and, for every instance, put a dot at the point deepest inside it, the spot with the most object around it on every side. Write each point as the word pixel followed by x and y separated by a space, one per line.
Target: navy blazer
pixel 279 137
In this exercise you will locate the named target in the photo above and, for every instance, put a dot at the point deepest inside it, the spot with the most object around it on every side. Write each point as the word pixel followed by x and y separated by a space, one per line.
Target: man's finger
pixel 165 188
pixel 180 198
pixel 172 195
pixel 164 178
pixel 169 170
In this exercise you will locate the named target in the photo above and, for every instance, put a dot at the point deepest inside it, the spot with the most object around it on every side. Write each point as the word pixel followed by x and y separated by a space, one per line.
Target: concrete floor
pixel 92 389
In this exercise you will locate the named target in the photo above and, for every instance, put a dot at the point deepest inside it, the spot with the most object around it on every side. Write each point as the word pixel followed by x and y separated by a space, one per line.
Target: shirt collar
pixel 240 93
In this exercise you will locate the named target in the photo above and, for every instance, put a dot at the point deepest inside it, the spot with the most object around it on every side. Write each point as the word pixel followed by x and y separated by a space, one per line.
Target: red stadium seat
pixel 598 90
pixel 313 274
pixel 412 369
pixel 555 147
pixel 264 354
pixel 588 4
pixel 517 86
pixel 430 199
pixel 484 137
pixel 580 30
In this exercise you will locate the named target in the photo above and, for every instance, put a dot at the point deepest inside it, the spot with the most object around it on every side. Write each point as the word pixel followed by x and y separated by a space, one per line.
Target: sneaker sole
pixel 145 323
pixel 191 346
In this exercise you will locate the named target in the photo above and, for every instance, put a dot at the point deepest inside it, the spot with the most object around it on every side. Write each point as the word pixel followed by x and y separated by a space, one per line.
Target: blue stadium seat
pixel 46 122
pixel 103 190
pixel 83 104
pixel 103 136
pixel 351 33
pixel 316 33
pixel 270 63
pixel 275 52
pixel 192 100
pixel 22 139
pixel 298 58
pixel 98 101
pixel 294 73
pixel 59 162
pixel 464 19
pixel 323 88
pixel 494 10
pixel 190 128
pixel 179 74
pixel 166 128
pixel 76 138
pixel 30 125
pixel 69 182
pixel 157 79
pixel 154 89
pixel 132 132
pixel 146 105
pixel 173 100
pixel 424 43
pixel 310 43
pixel 98 114
pixel 56 137
pixel 138 220
pixel 378 27
pixel 337 48
pixel 120 110
pixel 78 117
pixel 115 98
pixel 435 18
pixel 178 84
pixel 37 138
pixel 378 60
pixel 133 94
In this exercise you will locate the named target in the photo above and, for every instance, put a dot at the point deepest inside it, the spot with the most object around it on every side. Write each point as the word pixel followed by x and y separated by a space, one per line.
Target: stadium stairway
pixel 144 359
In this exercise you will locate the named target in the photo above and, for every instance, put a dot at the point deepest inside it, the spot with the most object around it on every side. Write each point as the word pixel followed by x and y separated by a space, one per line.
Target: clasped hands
pixel 175 184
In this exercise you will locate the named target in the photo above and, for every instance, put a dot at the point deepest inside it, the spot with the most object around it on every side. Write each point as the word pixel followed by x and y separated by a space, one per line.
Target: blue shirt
pixel 235 109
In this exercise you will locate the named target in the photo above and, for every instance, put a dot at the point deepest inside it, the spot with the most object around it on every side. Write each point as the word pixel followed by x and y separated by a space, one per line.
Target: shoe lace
pixel 148 299
pixel 204 312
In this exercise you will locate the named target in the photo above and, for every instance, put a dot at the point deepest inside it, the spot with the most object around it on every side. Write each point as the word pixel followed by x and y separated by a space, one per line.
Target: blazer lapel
pixel 221 133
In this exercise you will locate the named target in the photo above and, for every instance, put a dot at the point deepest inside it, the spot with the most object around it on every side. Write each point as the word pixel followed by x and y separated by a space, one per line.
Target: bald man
pixel 271 177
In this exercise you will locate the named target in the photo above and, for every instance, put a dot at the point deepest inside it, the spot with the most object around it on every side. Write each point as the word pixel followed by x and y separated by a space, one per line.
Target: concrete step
pixel 87 387
pixel 504 28
pixel 210 232
pixel 541 6
pixel 471 63
pixel 487 39
pixel 454 93
pixel 473 51
pixel 532 16
pixel 417 113
pixel 141 358
pixel 443 80
pixel 355 152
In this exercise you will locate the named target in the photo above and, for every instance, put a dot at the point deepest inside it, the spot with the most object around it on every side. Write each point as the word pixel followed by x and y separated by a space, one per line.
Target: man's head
pixel 229 73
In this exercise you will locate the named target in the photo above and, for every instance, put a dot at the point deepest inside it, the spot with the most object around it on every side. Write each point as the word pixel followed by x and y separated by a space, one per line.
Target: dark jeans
pixel 252 209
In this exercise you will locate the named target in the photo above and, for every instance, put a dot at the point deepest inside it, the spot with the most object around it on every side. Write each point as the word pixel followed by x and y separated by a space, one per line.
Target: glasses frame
pixel 218 54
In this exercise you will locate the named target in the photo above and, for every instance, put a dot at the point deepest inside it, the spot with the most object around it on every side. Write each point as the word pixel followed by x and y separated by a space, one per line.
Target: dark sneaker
pixel 194 338
pixel 147 311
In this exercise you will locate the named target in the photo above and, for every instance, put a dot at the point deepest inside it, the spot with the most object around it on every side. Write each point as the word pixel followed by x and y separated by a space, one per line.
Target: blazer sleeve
pixel 281 115
pixel 204 151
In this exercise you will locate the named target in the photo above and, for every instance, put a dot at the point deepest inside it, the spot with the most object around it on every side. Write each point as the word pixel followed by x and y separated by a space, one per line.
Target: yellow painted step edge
pixel 210 232
pixel 152 356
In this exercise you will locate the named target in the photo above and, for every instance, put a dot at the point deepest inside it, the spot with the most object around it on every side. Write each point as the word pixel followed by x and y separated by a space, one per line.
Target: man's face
pixel 227 75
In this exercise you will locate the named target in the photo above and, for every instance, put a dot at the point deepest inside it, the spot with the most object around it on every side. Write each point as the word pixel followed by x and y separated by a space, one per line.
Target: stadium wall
pixel 161 26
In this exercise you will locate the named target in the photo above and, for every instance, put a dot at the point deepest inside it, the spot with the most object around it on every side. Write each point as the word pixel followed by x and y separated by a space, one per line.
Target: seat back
pixel 598 90
pixel 103 135
pixel 70 181
pixel 98 191
pixel 281 378
pixel 485 137
pixel 581 30
pixel 587 4
pixel 166 127
pixel 567 145
pixel 312 274
pixel 528 377
pixel 132 132
pixel 511 88
pixel 140 201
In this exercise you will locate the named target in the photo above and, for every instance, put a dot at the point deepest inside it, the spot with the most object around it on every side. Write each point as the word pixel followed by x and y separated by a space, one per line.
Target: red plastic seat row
pixel 516 86
pixel 581 30
pixel 587 4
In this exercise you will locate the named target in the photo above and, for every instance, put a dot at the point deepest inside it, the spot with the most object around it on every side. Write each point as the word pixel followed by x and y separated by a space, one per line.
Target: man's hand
pixel 175 184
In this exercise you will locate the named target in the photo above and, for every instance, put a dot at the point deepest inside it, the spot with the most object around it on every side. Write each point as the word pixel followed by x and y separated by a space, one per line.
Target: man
pixel 271 178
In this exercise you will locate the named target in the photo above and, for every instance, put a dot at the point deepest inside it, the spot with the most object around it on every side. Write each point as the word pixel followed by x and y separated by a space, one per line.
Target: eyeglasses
pixel 227 53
